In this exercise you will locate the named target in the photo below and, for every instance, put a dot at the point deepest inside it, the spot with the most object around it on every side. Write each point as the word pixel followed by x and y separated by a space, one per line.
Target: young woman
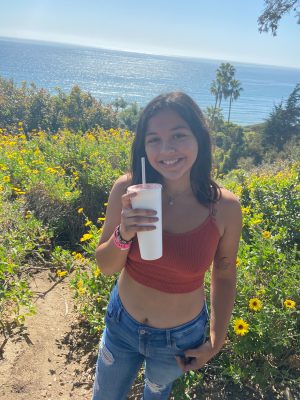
pixel 157 313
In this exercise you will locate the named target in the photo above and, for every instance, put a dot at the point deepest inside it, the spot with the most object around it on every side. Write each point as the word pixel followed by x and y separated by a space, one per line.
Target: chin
pixel 175 176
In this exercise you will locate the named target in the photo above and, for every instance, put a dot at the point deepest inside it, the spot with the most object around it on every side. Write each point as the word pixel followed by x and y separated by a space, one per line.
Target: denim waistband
pixel 115 298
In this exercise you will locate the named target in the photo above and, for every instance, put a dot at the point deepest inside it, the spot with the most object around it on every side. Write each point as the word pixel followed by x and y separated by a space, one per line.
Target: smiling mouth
pixel 168 163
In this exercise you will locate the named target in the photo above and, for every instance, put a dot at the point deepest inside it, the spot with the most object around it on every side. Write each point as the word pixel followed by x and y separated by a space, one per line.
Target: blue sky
pixel 217 29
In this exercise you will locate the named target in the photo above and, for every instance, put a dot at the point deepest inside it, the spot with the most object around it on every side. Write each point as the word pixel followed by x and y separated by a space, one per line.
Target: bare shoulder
pixel 229 208
pixel 228 199
pixel 122 183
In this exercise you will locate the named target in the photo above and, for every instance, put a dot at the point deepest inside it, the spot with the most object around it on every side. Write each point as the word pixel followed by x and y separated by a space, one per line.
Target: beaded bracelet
pixel 119 241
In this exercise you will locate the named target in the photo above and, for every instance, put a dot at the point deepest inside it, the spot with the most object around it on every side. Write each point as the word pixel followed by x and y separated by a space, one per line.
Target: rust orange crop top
pixel 186 258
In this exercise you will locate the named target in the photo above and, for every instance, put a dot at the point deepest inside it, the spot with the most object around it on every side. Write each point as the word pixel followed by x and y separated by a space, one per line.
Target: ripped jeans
pixel 126 344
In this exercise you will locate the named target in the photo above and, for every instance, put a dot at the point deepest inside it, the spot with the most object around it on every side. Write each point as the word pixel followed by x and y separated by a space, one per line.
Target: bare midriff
pixel 158 309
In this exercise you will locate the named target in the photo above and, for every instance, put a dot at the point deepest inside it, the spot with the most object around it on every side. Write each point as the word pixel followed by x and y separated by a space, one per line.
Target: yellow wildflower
pixel 256 221
pixel 246 210
pixel 78 256
pixel 289 303
pixel 97 272
pixel 105 204
pixel 81 290
pixel 266 234
pixel 99 220
pixel 80 283
pixel 85 237
pixel 240 327
pixel 61 273
pixel 51 170
pixel 238 262
pixel 6 179
pixel 255 304
pixel 88 223
pixel 80 210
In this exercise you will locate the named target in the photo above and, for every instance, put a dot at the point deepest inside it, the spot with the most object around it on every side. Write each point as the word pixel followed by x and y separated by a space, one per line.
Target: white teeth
pixel 171 161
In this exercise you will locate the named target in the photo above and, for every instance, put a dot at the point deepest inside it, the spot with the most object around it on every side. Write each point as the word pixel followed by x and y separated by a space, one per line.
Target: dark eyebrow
pixel 177 127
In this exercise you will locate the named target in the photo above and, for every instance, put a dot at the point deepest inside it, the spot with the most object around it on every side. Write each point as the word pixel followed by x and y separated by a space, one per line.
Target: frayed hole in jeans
pixel 154 387
pixel 105 355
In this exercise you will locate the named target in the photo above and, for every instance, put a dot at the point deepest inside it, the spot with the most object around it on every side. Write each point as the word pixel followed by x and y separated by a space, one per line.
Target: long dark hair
pixel 203 186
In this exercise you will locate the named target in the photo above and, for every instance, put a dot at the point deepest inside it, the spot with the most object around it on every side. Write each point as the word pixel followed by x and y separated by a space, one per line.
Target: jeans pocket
pixel 191 338
pixel 110 311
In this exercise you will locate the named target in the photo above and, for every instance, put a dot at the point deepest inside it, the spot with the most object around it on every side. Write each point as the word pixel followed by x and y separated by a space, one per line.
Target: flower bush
pixel 53 196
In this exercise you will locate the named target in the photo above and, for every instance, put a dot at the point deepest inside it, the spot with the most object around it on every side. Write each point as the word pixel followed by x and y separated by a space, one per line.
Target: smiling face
pixel 170 145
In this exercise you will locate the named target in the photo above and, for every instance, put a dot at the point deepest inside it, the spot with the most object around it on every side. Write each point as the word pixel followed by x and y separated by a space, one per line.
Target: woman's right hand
pixel 133 220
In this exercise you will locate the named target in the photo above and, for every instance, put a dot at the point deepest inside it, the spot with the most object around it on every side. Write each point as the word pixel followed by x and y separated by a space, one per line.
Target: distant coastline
pixel 137 77
pixel 176 56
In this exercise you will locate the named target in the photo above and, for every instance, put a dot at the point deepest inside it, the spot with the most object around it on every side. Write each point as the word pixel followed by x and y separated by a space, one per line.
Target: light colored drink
pixel 149 198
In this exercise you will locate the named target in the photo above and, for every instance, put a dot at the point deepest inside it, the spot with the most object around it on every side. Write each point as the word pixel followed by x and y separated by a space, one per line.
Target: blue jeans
pixel 126 344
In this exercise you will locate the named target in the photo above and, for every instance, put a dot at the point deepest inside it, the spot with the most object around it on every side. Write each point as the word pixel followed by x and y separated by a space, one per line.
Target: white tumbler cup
pixel 149 197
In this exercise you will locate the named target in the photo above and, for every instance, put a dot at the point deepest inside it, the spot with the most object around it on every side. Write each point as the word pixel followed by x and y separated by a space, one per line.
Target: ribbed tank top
pixel 186 258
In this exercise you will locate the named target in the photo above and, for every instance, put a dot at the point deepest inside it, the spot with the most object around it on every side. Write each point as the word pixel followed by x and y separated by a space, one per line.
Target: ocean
pixel 108 74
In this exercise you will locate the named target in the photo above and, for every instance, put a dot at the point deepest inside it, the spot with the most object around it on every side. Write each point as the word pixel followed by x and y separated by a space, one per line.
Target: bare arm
pixel 109 257
pixel 223 277
pixel 223 286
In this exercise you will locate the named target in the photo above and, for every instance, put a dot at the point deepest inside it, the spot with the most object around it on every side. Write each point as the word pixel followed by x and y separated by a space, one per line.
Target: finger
pixel 180 362
pixel 193 364
pixel 142 212
pixel 139 228
pixel 133 220
pixel 126 199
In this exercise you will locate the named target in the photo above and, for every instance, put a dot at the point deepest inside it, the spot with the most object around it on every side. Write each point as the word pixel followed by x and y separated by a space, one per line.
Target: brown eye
pixel 152 140
pixel 180 135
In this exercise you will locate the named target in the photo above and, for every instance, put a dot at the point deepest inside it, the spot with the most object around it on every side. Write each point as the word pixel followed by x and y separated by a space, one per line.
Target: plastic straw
pixel 143 171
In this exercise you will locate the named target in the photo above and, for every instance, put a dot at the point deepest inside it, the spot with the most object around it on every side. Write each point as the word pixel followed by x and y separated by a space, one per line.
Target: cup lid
pixel 142 186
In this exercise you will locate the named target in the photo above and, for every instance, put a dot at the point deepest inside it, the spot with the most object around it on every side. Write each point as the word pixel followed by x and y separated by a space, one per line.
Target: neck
pixel 176 193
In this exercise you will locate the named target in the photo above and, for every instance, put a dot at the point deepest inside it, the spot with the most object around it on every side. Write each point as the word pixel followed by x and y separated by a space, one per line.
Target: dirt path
pixel 53 358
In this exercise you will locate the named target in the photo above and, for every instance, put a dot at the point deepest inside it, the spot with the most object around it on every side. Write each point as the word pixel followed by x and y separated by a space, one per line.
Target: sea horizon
pixel 138 77
pixel 189 57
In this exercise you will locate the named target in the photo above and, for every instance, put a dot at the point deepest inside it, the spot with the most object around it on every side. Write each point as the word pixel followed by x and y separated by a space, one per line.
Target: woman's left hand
pixel 200 356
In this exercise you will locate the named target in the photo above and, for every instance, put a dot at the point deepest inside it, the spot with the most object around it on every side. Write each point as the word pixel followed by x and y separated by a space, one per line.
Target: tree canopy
pixel 284 122
pixel 274 11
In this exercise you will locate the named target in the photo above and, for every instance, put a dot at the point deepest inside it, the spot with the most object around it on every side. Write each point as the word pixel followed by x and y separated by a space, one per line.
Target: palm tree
pixel 225 74
pixel 234 92
pixel 220 86
pixel 215 89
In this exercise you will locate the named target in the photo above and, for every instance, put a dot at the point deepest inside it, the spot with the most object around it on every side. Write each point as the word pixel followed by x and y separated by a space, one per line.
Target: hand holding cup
pixel 135 220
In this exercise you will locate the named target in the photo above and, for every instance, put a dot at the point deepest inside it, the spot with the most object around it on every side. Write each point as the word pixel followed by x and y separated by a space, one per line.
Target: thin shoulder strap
pixel 212 210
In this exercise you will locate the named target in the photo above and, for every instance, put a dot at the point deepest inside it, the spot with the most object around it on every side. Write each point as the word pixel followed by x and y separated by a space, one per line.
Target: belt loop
pixel 118 316
pixel 168 336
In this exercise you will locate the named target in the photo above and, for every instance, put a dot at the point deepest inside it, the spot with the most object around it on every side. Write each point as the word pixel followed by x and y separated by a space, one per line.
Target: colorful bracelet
pixel 119 241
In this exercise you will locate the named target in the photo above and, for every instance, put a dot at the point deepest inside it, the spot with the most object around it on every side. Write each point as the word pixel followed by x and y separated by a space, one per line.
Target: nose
pixel 168 147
